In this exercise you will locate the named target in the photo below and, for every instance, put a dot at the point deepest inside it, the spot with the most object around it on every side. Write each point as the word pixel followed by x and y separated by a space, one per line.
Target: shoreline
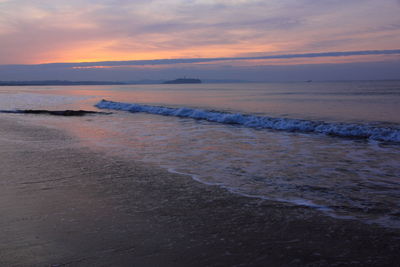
pixel 62 204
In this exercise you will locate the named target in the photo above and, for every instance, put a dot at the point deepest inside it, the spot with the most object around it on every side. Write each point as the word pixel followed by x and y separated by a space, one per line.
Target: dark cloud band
pixel 203 60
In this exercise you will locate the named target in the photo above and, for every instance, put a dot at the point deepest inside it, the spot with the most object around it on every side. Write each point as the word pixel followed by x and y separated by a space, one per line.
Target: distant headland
pixel 65 82
pixel 183 81
pixel 56 82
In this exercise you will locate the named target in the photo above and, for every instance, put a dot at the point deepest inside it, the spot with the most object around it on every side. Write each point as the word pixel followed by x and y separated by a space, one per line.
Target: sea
pixel 330 146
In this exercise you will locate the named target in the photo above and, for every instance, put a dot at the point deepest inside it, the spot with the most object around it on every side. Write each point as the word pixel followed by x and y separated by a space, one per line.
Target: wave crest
pixel 263 122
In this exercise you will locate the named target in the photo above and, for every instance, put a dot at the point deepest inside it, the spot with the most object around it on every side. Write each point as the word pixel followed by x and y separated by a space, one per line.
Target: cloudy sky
pixel 236 39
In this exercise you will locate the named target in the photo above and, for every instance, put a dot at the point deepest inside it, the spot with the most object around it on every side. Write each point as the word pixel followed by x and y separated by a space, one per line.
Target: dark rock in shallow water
pixel 56 112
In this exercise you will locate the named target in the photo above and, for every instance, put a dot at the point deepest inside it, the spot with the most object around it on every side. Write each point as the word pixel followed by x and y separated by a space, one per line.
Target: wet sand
pixel 64 205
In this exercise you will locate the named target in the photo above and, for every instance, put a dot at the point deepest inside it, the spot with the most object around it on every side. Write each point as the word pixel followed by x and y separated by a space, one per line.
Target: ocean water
pixel 332 146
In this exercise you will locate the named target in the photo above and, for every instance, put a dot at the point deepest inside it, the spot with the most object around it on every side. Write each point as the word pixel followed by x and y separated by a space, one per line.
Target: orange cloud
pixel 86 31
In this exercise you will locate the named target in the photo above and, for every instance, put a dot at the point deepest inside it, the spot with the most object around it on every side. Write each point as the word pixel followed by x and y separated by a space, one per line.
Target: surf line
pixel 351 130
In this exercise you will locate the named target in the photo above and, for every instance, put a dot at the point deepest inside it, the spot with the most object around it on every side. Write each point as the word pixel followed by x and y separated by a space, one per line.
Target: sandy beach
pixel 62 204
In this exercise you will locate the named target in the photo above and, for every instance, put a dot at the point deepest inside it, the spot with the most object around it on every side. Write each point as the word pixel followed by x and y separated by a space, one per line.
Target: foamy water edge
pixel 351 130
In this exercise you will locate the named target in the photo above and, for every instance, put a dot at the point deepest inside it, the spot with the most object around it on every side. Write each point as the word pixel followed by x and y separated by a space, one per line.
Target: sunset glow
pixel 38 32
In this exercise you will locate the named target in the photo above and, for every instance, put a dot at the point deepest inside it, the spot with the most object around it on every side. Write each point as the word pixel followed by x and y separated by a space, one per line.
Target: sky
pixel 211 39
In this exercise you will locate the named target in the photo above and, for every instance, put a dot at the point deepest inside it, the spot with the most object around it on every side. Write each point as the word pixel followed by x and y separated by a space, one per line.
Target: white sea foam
pixel 263 122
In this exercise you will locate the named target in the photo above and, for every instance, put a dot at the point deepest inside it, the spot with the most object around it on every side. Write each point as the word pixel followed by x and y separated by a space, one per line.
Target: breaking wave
pixel 352 130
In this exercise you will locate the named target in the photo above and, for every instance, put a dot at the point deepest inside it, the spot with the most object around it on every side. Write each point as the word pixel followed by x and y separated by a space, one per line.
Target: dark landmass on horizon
pixel 66 82
pixel 183 81
pixel 57 82
pixel 144 82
